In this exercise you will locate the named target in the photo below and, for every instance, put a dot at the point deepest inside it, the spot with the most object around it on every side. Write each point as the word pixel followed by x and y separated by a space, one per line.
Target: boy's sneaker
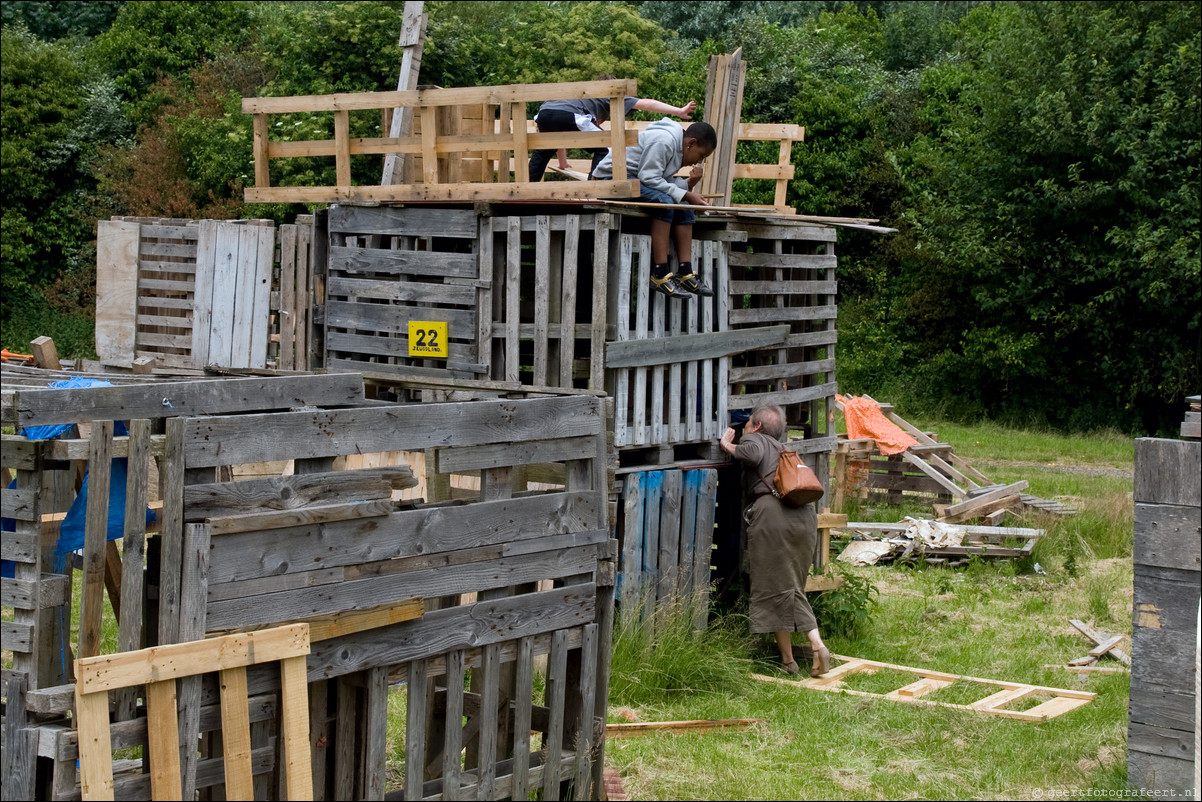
pixel 692 282
pixel 669 285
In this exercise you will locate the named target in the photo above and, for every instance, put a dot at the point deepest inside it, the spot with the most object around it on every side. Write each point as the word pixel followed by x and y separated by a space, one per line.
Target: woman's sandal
pixel 670 286
pixel 790 668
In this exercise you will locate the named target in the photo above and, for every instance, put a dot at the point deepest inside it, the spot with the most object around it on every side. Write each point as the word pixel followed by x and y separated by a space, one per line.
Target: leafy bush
pixel 845 611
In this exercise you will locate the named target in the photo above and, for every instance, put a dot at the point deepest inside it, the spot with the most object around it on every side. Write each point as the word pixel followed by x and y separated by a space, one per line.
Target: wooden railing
pixel 491 150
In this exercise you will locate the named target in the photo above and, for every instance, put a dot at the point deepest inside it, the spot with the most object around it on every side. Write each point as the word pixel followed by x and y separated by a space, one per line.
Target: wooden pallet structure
pixel 434 594
pixel 179 294
pixel 930 469
pixel 1059 701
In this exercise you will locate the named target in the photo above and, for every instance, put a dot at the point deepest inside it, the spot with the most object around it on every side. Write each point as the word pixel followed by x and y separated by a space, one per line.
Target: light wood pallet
pixel 158 668
pixel 1061 701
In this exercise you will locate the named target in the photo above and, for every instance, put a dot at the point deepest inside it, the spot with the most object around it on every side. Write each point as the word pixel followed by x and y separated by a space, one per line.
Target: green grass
pixel 999 621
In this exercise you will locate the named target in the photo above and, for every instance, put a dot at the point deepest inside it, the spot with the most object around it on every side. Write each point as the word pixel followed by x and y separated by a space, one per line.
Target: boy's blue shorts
pixel 673 216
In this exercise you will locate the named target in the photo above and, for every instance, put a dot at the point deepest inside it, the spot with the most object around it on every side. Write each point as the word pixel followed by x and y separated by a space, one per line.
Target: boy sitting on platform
pixel 662 150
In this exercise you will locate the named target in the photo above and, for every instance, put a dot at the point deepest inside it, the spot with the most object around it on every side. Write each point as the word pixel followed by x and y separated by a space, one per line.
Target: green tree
pixel 41 108
pixel 1060 195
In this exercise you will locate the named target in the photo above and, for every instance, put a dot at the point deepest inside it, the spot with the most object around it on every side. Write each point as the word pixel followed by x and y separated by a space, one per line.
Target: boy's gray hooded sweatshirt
pixel 655 160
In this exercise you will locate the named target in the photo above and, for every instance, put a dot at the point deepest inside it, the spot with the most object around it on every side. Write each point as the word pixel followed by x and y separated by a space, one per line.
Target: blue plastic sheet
pixel 71 531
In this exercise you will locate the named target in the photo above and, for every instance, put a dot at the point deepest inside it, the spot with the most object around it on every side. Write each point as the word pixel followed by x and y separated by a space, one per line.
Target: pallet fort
pixel 429 515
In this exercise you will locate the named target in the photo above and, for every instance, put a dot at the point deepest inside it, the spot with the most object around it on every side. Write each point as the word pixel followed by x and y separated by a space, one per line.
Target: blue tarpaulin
pixel 71 531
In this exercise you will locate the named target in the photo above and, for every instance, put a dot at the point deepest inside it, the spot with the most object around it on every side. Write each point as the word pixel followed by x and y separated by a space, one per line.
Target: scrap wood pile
pixel 885 453
pixel 934 542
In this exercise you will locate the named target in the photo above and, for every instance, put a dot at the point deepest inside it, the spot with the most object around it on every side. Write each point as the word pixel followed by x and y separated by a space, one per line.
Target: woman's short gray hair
pixel 770 418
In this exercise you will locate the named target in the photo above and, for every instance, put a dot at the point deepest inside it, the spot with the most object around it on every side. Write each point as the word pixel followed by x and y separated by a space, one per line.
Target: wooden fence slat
pixel 415 722
pixel 95 538
pixel 203 291
pixel 524 684
pixel 667 591
pixel 133 547
pixel 453 741
pixel 553 735
pixel 582 769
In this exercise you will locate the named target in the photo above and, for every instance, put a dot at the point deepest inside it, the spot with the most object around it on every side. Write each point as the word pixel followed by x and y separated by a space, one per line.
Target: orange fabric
pixel 866 421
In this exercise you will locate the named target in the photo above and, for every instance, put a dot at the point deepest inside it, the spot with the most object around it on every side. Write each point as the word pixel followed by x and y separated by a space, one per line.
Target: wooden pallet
pixel 928 682
pixel 158 668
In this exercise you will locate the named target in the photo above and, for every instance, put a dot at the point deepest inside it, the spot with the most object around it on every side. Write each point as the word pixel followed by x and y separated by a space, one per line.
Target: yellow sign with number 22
pixel 428 338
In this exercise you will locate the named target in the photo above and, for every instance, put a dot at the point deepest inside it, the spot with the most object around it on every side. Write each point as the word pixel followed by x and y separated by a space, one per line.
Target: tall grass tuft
pixel 657 659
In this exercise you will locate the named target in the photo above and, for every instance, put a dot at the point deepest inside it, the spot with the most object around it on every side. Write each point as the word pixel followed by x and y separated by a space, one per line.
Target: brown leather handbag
pixel 794 483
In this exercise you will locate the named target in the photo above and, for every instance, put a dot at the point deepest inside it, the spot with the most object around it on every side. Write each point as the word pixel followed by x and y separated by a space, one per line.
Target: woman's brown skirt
pixel 780 551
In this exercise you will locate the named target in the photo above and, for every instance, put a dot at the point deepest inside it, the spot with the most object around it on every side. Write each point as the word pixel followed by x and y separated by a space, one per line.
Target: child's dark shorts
pixel 673 216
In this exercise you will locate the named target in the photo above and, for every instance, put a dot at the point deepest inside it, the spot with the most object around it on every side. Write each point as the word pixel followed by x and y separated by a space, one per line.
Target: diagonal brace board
pixel 1062 700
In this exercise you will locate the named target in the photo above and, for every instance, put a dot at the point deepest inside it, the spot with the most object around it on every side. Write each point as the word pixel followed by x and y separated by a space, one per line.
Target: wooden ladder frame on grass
pixel 1062 700
pixel 158 667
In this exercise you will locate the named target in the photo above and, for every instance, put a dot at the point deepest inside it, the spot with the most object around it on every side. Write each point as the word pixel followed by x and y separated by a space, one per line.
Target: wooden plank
pixel 666 350
pixel 415 722
pixel 206 266
pixel 287 304
pixel 402 534
pixel 582 769
pixel 1097 637
pixel 280 519
pixel 20 755
pixel 133 558
pixel 171 534
pixel 1166 471
pixel 371 591
pixel 164 742
pixel 635 729
pixel 947 484
pixel 263 256
pixel 262 438
pixel 512 307
pixel 486 760
pixel 452 746
pixel 116 290
pixel 542 267
pixel 555 690
pixel 375 732
pixel 294 492
pixel 984 500
pixel 667 591
pixel 95 539
pixel 193 594
pixel 464 627
pixel 523 683
pixel 202 397
pixel 225 294
pixel 1166 536
pixel 235 734
pixel 95 754
pixel 161 663
pixel 335 626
